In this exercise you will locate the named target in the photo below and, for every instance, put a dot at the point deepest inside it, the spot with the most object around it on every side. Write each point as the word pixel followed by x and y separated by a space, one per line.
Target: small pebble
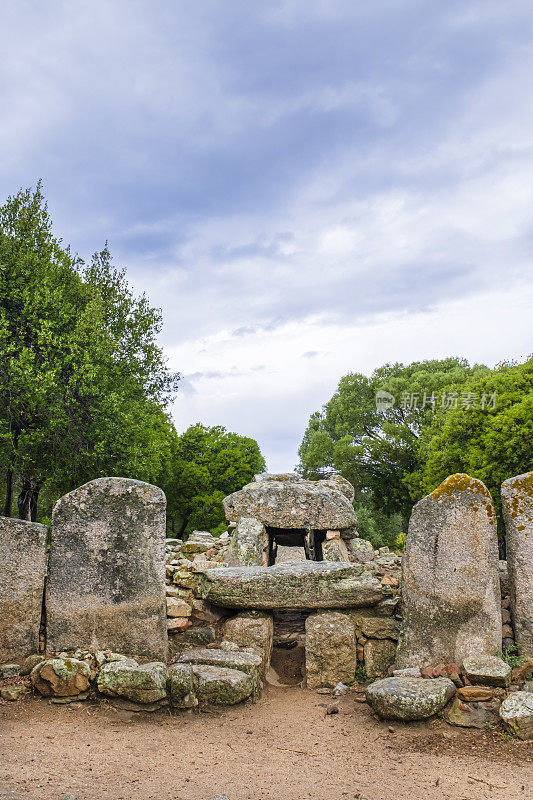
pixel 332 710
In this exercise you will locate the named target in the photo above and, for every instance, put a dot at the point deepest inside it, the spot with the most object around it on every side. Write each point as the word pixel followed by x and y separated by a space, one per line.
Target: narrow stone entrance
pixel 288 651
pixel 307 539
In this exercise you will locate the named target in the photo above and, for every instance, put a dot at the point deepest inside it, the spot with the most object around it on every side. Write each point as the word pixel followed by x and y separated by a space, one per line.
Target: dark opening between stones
pixel 309 540
pixel 288 653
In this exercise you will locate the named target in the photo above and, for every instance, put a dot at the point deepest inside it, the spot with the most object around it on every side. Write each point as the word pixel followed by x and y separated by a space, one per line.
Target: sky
pixel 306 188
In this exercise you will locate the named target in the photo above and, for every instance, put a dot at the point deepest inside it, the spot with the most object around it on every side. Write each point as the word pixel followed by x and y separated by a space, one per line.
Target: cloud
pixel 305 186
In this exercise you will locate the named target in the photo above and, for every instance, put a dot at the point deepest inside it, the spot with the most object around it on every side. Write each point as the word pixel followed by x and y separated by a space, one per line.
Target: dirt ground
pixel 285 747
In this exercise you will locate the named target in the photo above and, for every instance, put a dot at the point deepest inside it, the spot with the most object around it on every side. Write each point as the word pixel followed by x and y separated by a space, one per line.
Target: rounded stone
pixel 516 713
pixel 409 698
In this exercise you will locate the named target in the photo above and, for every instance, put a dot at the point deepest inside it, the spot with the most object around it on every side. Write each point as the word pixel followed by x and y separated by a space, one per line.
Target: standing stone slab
pixel 517 503
pixel 249 544
pixel 22 574
pixel 106 586
pixel 451 592
pixel 253 629
pixel 330 649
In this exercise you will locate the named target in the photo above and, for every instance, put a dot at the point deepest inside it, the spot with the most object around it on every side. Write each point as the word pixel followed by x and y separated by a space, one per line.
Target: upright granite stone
pixel 106 585
pixel 450 591
pixel 249 544
pixel 517 503
pixel 330 649
pixel 254 629
pixel 305 584
pixel 22 574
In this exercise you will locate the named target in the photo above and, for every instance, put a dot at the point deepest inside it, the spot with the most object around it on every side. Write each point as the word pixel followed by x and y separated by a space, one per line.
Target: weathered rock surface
pixel 106 585
pixel 182 687
pixel 307 584
pixel 141 684
pixel 517 505
pixel 61 677
pixel 379 656
pixel 253 629
pixel 330 649
pixel 450 591
pixel 249 544
pixel 335 550
pixel 516 713
pixel 487 671
pixel 280 502
pixel 229 659
pixel 222 685
pixel 409 698
pixel 22 574
pixel 476 714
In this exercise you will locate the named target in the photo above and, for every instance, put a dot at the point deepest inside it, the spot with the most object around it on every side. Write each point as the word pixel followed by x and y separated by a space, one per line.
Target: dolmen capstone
pixel 450 589
pixel 22 576
pixel 304 584
pixel 106 583
pixel 288 501
pixel 517 503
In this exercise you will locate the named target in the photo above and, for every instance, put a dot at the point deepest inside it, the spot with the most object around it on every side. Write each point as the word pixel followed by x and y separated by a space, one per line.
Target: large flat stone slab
pixel 307 584
pixel 22 574
pixel 106 585
pixel 282 502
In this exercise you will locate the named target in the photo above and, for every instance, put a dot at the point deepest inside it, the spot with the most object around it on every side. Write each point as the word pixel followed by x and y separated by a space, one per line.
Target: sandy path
pixel 283 748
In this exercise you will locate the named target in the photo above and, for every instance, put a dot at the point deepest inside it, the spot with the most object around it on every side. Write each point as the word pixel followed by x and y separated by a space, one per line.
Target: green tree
pixel 491 439
pixel 206 464
pixel 376 449
pixel 83 384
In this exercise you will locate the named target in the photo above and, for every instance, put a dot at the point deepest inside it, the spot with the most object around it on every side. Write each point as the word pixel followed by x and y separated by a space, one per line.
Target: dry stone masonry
pixel 106 583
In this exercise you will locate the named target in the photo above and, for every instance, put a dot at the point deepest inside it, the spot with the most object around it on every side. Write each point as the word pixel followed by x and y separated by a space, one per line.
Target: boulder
pixel 22 574
pixel 477 714
pixel 409 699
pixel 330 649
pixel 61 677
pixel 141 684
pixel 361 550
pixel 335 549
pixel 254 629
pixel 516 713
pixel 182 688
pixel 249 544
pixel 287 503
pixel 30 662
pixel 229 659
pixel 487 671
pixel 517 506
pixel 305 584
pixel 106 584
pixel 222 685
pixel 450 590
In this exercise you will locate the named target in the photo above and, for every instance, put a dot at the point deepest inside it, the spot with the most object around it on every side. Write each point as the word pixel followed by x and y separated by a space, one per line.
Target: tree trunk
pixel 182 528
pixel 8 506
pixel 28 497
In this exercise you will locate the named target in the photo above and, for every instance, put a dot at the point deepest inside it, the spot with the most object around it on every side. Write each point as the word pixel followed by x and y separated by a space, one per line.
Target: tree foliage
pixel 491 443
pixel 377 449
pixel 204 465
pixel 83 383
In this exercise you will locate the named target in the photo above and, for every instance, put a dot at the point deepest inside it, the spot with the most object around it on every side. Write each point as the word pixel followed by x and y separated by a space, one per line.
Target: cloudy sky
pixel 305 187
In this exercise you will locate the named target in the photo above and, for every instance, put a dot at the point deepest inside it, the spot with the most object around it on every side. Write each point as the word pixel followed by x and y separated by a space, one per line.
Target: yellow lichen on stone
pixel 460 482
